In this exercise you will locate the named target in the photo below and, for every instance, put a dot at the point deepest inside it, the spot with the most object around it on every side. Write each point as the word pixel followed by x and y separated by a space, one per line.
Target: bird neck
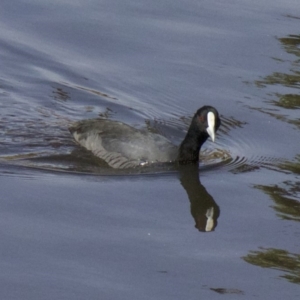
pixel 190 146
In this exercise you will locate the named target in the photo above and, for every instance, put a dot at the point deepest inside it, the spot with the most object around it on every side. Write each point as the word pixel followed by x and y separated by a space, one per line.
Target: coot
pixel 122 146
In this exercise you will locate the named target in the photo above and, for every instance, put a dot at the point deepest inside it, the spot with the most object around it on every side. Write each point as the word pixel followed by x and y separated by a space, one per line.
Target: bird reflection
pixel 204 209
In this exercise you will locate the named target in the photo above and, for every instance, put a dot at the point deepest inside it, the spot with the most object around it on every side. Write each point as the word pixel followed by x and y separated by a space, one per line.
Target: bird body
pixel 122 146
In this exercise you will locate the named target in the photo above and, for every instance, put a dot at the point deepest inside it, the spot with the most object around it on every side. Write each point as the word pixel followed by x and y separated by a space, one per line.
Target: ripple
pixel 50 147
pixel 82 162
pixel 244 151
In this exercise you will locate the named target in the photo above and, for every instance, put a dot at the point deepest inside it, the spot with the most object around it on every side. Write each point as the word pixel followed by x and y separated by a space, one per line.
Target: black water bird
pixel 122 146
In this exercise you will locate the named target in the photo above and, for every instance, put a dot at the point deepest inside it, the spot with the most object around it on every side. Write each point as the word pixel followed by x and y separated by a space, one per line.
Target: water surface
pixel 71 228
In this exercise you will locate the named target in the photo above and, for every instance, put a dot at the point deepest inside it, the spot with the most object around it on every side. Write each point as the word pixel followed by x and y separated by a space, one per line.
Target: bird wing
pixel 96 141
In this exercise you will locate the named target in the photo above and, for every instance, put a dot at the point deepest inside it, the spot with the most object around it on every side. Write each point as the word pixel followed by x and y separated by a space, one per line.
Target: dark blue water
pixel 71 228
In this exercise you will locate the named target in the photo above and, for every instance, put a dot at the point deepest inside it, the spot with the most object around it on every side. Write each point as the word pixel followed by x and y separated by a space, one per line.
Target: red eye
pixel 201 119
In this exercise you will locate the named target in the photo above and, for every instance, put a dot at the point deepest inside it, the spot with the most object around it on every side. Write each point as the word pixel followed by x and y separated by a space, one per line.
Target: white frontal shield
pixel 211 125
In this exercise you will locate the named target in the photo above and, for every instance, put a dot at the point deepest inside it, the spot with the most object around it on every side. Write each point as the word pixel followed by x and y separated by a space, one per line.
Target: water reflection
pixel 290 101
pixel 290 44
pixel 277 259
pixel 286 196
pixel 60 94
pixel 204 209
pixel 285 199
pixel 289 82
pixel 291 166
